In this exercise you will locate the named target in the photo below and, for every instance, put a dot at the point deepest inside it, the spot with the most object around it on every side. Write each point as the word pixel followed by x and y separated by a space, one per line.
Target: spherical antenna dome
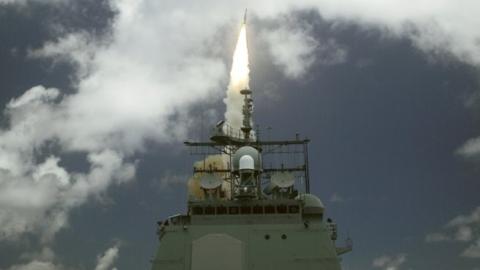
pixel 246 151
pixel 311 204
pixel 246 163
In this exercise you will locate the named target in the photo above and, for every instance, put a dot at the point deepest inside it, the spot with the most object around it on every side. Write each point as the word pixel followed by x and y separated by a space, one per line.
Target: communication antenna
pixel 210 181
pixel 283 179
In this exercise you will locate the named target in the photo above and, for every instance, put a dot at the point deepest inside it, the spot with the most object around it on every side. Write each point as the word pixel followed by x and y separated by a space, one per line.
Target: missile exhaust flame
pixel 239 80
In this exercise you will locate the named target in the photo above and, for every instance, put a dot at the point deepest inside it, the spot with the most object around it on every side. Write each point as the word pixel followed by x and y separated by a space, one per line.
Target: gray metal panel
pixel 165 265
pixel 217 252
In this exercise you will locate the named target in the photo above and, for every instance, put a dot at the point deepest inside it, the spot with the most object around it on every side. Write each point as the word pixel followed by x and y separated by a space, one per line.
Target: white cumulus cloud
pixel 45 260
pixel 291 49
pixel 473 251
pixel 35 265
pixel 24 2
pixel 37 193
pixel 337 198
pixel 106 261
pixel 463 228
pixel 390 262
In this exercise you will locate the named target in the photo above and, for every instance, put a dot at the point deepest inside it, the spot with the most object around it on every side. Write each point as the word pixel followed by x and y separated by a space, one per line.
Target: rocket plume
pixel 239 79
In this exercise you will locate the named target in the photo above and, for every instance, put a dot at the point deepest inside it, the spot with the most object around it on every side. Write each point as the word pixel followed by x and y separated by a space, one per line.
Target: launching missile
pixel 245 17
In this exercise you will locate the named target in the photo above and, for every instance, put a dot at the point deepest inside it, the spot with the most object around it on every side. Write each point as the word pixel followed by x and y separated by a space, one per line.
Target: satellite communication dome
pixel 246 163
pixel 312 204
pixel 282 179
pixel 246 151
pixel 210 181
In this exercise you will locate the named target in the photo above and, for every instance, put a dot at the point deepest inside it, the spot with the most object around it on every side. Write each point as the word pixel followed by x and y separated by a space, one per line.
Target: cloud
pixel 36 192
pixel 40 203
pixel 462 220
pixel 295 48
pixel 45 260
pixel 77 49
pixel 470 149
pixel 35 265
pixel 464 234
pixel 292 49
pixel 459 234
pixel 436 27
pixel 24 2
pixel 125 97
pixel 170 180
pixel 463 228
pixel 106 261
pixel 336 198
pixel 390 262
pixel 473 251
pixel 35 96
pixel 437 237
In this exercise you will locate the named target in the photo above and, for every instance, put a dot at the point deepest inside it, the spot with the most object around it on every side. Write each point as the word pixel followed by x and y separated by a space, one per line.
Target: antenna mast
pixel 247 113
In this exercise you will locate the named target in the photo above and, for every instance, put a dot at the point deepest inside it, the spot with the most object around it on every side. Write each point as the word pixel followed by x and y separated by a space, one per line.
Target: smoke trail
pixel 239 79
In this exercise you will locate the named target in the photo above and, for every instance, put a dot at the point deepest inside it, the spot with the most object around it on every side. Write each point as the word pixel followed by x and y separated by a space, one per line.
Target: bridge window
pixel 257 209
pixel 281 209
pixel 269 209
pixel 245 210
pixel 209 210
pixel 293 209
pixel 221 210
pixel 197 210
pixel 233 210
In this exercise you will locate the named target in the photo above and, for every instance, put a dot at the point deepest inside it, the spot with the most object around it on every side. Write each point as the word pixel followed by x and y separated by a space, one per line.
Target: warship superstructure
pixel 249 207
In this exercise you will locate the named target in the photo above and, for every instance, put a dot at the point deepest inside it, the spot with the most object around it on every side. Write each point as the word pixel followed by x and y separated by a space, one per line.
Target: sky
pixel 97 98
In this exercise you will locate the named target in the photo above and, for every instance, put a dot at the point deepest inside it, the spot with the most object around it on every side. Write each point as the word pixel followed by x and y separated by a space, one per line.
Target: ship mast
pixel 247 113
pixel 247 176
